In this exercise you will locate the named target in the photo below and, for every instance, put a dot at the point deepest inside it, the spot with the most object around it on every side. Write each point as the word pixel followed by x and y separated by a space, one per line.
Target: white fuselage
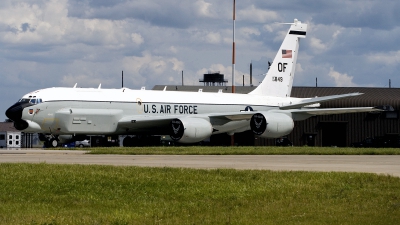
pixel 64 108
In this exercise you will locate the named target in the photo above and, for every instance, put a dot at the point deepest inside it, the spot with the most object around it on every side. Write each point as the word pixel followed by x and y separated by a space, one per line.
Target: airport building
pixel 380 129
pixel 13 138
pixel 9 136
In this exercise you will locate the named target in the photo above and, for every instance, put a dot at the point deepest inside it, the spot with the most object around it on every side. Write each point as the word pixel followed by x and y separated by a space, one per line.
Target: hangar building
pixel 328 130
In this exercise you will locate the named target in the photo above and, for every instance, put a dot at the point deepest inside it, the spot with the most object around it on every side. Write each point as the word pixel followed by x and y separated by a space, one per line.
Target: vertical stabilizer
pixel 279 79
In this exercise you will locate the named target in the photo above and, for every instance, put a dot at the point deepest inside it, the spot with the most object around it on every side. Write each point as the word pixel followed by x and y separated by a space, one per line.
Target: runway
pixel 379 164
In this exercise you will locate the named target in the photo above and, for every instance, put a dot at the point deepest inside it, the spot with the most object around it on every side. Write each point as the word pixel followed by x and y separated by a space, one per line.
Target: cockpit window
pixel 33 101
pixel 24 100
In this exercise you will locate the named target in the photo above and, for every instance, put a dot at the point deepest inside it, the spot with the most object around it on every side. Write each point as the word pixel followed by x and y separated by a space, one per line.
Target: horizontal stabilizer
pixel 311 101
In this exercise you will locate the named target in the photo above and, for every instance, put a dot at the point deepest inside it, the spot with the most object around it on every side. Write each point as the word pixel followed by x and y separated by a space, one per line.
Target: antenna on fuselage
pixel 75 85
pixel 99 86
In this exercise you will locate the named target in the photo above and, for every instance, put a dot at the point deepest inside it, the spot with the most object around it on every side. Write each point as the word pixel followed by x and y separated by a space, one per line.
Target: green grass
pixel 82 194
pixel 248 150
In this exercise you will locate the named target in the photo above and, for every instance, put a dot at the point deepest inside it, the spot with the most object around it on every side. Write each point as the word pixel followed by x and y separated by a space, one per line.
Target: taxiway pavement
pixel 379 164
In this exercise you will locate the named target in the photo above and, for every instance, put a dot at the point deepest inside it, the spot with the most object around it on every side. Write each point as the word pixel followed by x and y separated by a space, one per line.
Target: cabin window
pixel 2 137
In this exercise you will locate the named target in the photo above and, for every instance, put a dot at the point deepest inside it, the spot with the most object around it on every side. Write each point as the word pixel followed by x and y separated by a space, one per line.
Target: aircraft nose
pixel 15 111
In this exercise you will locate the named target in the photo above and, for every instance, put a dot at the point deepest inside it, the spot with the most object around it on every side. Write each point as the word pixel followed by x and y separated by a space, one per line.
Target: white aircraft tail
pixel 279 79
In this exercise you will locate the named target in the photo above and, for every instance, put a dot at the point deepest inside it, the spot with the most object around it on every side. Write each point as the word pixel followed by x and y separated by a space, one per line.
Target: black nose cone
pixel 14 113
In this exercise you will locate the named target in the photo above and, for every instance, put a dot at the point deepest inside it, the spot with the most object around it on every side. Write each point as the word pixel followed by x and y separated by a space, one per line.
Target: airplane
pixel 61 113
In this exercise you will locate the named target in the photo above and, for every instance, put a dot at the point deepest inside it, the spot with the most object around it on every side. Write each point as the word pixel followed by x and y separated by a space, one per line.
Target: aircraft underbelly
pixel 232 127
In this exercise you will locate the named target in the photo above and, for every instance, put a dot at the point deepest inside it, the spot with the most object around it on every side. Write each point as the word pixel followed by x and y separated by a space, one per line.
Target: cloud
pixel 206 37
pixel 249 31
pixel 362 14
pixel 298 68
pixel 49 24
pixel 203 8
pixel 324 37
pixel 387 58
pixel 173 49
pixel 213 38
pixel 137 38
pixel 341 79
pixel 173 13
pixel 251 13
pixel 148 68
pixel 317 45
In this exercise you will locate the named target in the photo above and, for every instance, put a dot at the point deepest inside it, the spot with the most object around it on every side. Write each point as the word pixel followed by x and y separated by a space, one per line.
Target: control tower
pixel 214 78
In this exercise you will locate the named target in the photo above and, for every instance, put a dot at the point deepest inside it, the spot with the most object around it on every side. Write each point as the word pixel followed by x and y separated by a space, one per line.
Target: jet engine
pixel 190 130
pixel 27 126
pixel 271 125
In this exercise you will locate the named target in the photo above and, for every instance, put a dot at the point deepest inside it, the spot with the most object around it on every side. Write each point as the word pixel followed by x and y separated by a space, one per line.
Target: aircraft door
pixel 139 106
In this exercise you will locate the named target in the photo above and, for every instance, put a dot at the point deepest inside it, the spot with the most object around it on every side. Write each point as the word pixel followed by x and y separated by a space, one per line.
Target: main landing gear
pixel 50 141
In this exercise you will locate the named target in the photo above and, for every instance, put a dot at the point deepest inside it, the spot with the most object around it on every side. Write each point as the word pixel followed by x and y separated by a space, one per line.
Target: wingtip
pixel 384 107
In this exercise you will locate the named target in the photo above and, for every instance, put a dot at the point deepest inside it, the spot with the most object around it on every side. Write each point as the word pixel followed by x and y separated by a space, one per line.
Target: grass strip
pixel 92 194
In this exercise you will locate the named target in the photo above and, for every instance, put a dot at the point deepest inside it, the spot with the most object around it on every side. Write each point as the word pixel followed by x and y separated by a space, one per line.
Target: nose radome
pixel 15 111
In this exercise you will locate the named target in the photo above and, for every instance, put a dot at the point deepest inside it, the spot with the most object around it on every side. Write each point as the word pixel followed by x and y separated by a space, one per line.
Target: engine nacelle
pixel 271 125
pixel 27 126
pixel 190 130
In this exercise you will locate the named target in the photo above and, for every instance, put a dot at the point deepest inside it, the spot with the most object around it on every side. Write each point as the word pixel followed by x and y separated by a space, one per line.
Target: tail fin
pixel 279 79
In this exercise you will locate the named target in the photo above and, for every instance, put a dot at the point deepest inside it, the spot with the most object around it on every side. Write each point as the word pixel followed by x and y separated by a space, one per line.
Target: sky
pixel 57 43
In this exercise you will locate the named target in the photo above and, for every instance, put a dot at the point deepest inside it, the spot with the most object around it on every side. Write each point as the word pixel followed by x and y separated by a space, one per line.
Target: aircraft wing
pixel 161 124
pixel 329 111
pixel 304 113
pixel 318 100
pixel 153 123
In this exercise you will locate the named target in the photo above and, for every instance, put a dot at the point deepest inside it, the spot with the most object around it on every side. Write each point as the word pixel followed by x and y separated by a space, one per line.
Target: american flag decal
pixel 286 53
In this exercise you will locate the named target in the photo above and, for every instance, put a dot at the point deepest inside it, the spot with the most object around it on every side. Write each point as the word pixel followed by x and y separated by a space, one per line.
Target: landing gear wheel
pixel 53 142
pixel 127 142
